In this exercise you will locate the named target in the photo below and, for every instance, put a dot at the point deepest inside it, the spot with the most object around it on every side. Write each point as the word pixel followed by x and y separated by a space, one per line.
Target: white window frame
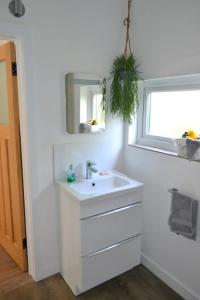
pixel 186 82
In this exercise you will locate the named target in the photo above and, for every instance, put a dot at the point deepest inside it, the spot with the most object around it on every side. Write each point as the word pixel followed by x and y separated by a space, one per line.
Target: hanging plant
pixel 124 80
pixel 124 87
pixel 103 88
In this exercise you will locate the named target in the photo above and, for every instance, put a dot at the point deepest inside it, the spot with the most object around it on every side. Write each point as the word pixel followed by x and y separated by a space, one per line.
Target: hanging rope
pixel 127 22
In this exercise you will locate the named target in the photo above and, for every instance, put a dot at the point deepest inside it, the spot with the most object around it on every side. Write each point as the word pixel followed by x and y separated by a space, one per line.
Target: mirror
pixel 83 104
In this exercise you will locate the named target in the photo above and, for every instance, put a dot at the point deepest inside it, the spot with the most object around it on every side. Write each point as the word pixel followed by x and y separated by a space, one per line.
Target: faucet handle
pixel 90 163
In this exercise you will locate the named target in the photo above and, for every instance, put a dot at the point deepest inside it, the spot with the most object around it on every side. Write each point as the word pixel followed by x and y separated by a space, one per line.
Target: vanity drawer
pixel 106 229
pixel 109 202
pixel 110 262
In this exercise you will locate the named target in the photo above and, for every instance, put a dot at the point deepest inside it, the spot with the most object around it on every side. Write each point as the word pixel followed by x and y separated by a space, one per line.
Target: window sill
pixel 161 151
pixel 153 149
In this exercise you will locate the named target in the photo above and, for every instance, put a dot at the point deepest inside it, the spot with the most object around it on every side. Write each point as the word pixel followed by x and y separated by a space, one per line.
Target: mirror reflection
pixel 83 104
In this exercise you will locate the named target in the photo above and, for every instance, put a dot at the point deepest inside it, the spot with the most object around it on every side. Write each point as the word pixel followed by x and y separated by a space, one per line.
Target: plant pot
pixel 188 149
pixel 123 75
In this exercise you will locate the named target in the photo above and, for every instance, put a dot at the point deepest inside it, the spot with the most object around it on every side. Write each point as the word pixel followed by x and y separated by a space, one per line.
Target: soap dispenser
pixel 71 175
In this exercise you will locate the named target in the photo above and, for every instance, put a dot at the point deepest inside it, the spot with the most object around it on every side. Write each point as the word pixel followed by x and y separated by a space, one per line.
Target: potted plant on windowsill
pixel 124 80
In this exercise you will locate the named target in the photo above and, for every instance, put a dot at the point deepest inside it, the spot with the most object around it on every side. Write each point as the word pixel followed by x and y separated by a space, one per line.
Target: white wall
pixel 67 36
pixel 78 153
pixel 166 43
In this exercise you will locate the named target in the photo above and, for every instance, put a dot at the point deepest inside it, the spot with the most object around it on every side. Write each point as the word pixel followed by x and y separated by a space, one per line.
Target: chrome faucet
pixel 90 169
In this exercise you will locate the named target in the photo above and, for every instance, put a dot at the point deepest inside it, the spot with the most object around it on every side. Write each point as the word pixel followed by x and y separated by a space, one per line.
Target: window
pixel 97 112
pixel 90 106
pixel 168 108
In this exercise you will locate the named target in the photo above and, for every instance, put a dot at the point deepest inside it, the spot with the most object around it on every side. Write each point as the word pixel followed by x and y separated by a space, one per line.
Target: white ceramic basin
pixel 104 185
pixel 101 186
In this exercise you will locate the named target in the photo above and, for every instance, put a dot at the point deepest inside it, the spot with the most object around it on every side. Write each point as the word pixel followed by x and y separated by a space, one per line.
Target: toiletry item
pixel 71 175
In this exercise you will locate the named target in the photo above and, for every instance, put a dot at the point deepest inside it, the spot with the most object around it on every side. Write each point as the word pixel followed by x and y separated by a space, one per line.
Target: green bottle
pixel 71 175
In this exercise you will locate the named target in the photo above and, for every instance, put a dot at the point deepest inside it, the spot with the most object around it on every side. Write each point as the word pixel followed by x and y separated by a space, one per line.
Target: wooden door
pixel 12 221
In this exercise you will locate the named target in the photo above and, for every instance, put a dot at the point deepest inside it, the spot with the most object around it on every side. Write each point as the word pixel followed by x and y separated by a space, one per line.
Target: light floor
pixel 137 284
pixel 11 277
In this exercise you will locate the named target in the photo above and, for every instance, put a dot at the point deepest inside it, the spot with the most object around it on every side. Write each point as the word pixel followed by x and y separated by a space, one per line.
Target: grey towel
pixel 183 216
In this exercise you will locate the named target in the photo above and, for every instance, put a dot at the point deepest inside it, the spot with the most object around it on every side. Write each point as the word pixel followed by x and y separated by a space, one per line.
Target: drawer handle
pixel 112 211
pixel 113 246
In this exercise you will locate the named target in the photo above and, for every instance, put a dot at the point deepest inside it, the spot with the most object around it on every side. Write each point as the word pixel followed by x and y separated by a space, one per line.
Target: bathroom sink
pixel 101 185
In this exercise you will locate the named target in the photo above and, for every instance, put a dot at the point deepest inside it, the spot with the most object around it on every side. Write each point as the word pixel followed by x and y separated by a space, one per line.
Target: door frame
pixel 21 36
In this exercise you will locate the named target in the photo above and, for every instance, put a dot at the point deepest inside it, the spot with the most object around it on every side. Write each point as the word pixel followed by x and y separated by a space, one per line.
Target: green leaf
pixel 124 87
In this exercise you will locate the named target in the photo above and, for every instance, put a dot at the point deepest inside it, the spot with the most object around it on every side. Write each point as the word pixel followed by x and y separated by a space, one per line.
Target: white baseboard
pixel 45 273
pixel 169 279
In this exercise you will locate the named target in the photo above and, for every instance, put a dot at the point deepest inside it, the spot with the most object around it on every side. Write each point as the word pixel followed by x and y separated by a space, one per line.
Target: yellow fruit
pixel 192 134
pixel 94 122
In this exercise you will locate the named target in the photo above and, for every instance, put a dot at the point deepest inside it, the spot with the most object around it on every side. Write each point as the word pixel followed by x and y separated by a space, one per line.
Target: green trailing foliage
pixel 103 88
pixel 124 81
pixel 124 87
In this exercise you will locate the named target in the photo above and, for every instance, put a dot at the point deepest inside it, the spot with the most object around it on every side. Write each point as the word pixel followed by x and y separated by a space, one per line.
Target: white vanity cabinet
pixel 100 237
